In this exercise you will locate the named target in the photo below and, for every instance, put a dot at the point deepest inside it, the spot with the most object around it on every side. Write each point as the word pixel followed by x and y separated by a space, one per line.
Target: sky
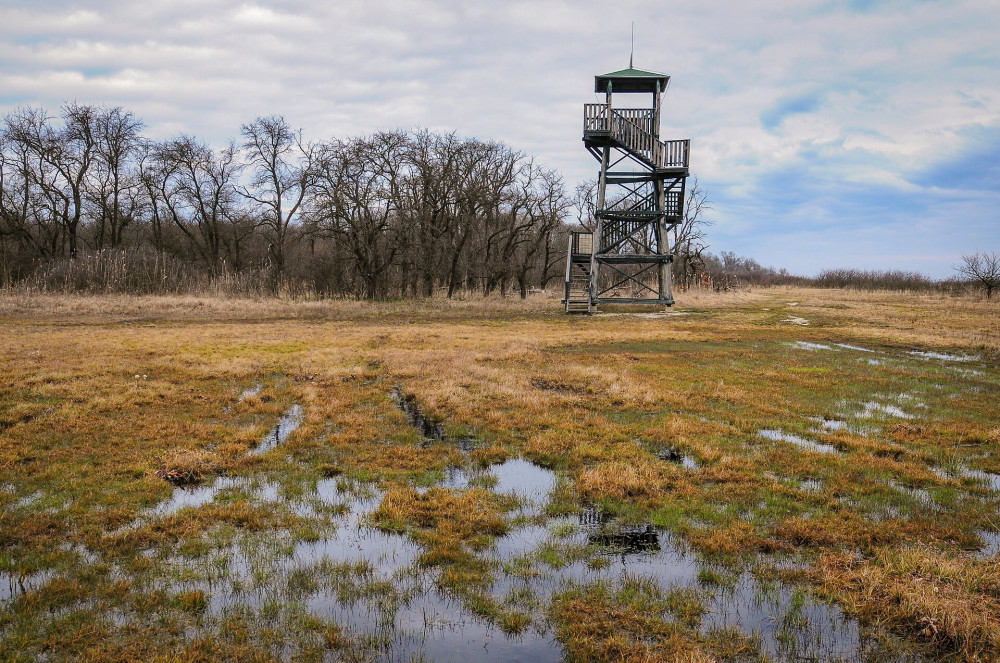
pixel 827 134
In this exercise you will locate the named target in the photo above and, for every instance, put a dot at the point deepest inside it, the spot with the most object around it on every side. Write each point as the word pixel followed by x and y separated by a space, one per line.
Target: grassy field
pixel 776 475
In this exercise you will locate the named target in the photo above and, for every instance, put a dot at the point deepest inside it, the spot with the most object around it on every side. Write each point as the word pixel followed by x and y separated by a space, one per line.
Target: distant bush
pixel 728 271
pixel 859 279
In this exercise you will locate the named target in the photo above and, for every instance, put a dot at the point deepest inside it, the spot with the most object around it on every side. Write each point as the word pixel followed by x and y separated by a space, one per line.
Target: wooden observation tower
pixel 640 197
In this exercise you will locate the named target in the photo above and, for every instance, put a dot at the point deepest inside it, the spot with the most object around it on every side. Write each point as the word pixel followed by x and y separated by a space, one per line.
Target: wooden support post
pixel 666 295
pixel 569 269
pixel 602 183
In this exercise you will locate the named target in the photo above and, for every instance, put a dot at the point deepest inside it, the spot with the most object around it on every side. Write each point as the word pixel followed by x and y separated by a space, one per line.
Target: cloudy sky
pixel 858 133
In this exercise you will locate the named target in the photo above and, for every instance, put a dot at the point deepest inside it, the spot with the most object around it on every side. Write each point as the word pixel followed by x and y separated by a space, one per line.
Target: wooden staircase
pixel 578 273
pixel 632 129
pixel 578 290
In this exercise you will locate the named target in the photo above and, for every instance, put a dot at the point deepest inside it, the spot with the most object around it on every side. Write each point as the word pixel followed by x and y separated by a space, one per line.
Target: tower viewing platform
pixel 625 258
pixel 632 129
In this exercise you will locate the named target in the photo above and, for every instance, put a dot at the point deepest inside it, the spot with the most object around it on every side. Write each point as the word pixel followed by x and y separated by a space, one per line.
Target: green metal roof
pixel 631 80
pixel 633 73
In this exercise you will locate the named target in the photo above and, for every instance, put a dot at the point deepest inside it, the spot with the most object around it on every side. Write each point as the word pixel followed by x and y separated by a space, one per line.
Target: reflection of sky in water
pixel 414 617
pixel 429 622
pixel 942 356
pixel 287 424
pixel 808 445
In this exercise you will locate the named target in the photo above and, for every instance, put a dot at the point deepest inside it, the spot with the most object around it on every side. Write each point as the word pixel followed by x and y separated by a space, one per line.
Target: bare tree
pixel 63 156
pixel 428 205
pixel 116 186
pixel 393 212
pixel 27 224
pixel 584 205
pixel 195 188
pixel 982 268
pixel 690 234
pixel 545 210
pixel 283 172
pixel 353 202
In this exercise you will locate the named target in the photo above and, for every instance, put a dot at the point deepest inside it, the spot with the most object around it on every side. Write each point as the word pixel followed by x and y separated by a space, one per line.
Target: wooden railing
pixel 675 153
pixel 642 118
pixel 595 117
pixel 583 243
pixel 634 129
pixel 673 203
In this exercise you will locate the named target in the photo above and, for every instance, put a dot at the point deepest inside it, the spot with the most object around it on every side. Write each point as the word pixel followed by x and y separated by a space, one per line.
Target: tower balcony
pixel 634 130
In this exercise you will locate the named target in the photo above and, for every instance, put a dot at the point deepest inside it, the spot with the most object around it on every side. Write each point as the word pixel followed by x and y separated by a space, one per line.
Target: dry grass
pixel 947 601
pixel 461 515
pixel 622 480
pixel 187 466
pixel 633 623
pixel 99 393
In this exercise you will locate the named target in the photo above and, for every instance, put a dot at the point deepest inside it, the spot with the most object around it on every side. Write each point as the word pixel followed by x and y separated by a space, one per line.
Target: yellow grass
pixel 99 393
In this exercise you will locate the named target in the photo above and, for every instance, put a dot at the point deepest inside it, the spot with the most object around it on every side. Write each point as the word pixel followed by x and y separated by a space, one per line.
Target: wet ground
pixel 370 582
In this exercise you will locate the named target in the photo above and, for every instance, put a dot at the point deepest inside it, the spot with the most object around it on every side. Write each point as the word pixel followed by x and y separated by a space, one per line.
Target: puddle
pixel 287 424
pixel 249 392
pixel 991 480
pixel 369 581
pixel 530 483
pixel 991 544
pixel 918 495
pixel 942 356
pixel 675 456
pixel 874 362
pixel 805 485
pixel 428 427
pixel 190 497
pixel 416 619
pixel 245 394
pixel 806 345
pixel 876 410
pixel 196 496
pixel 29 500
pixel 14 584
pixel 857 348
pixel 792 626
pixel 628 540
pixel 830 424
pixel 185 496
pixel 789 624
pixel 808 445
pixel 811 485
pixel 355 540
pixel 796 321
pixel 959 471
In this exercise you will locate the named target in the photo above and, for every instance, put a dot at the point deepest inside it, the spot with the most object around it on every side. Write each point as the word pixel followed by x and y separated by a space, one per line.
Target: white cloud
pixel 890 91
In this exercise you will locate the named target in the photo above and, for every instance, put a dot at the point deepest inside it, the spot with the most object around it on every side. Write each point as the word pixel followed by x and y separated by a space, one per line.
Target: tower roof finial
pixel 632 49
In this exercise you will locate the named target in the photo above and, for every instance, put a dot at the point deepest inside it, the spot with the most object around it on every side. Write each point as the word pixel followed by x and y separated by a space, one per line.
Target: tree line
pixel 88 202
pixel 389 214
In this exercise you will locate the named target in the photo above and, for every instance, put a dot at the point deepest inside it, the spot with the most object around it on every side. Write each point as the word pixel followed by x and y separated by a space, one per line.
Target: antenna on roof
pixel 632 49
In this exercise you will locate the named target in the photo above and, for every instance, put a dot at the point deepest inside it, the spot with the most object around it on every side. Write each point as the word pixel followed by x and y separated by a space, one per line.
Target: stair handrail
pixel 623 126
pixel 635 138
